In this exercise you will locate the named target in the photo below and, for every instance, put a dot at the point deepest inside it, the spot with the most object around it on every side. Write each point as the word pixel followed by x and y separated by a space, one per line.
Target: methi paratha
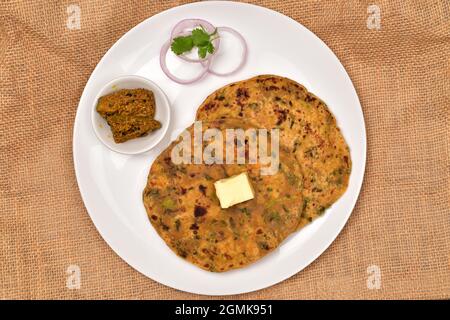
pixel 307 129
pixel 182 206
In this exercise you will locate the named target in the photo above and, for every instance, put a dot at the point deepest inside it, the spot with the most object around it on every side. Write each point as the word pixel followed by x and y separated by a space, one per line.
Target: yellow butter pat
pixel 234 190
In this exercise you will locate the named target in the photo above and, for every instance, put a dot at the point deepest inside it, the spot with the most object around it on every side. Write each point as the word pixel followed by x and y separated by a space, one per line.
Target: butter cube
pixel 234 190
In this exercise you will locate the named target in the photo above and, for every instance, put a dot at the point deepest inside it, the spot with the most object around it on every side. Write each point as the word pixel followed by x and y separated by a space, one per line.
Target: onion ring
pixel 244 53
pixel 162 62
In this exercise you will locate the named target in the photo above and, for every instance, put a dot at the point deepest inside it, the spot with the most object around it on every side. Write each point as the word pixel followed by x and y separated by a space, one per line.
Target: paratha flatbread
pixel 308 130
pixel 182 206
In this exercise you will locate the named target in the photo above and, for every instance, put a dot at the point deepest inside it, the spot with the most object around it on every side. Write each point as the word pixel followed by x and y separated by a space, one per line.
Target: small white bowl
pixel 141 144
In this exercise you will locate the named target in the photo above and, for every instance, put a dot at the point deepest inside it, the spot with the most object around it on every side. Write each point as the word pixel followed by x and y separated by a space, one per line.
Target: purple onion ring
pixel 162 62
pixel 244 53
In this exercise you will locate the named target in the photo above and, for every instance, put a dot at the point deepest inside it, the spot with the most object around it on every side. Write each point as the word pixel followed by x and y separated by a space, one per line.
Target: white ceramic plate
pixel 111 184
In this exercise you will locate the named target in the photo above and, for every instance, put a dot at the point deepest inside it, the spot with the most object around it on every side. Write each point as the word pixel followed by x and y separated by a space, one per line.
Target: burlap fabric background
pixel 402 219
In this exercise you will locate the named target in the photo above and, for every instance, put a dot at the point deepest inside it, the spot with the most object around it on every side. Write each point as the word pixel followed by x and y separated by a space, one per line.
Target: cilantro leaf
pixel 182 44
pixel 202 52
pixel 200 37
pixel 210 47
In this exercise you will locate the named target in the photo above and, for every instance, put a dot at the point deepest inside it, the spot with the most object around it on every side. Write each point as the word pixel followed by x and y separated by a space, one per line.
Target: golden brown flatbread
pixel 307 129
pixel 182 206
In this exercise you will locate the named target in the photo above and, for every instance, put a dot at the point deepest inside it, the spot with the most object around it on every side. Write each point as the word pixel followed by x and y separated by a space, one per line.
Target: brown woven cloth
pixel 402 219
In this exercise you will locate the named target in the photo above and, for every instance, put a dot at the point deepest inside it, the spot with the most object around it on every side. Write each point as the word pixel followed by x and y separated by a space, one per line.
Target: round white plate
pixel 111 184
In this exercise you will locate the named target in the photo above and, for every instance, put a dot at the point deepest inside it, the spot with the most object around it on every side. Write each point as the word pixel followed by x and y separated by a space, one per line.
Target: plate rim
pixel 342 222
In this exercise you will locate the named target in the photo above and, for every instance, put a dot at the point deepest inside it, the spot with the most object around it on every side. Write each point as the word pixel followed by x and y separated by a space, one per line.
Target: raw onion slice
pixel 183 28
pixel 188 25
pixel 244 53
pixel 162 62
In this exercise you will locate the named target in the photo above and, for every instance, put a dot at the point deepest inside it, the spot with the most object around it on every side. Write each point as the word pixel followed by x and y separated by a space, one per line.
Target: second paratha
pixel 307 129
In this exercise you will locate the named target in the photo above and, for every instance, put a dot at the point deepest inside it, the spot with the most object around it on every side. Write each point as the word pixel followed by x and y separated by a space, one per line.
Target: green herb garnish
pixel 199 38
pixel 168 204
pixel 245 211
pixel 182 44
pixel 292 178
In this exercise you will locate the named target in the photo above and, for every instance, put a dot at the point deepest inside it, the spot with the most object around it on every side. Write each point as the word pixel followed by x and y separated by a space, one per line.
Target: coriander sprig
pixel 199 38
